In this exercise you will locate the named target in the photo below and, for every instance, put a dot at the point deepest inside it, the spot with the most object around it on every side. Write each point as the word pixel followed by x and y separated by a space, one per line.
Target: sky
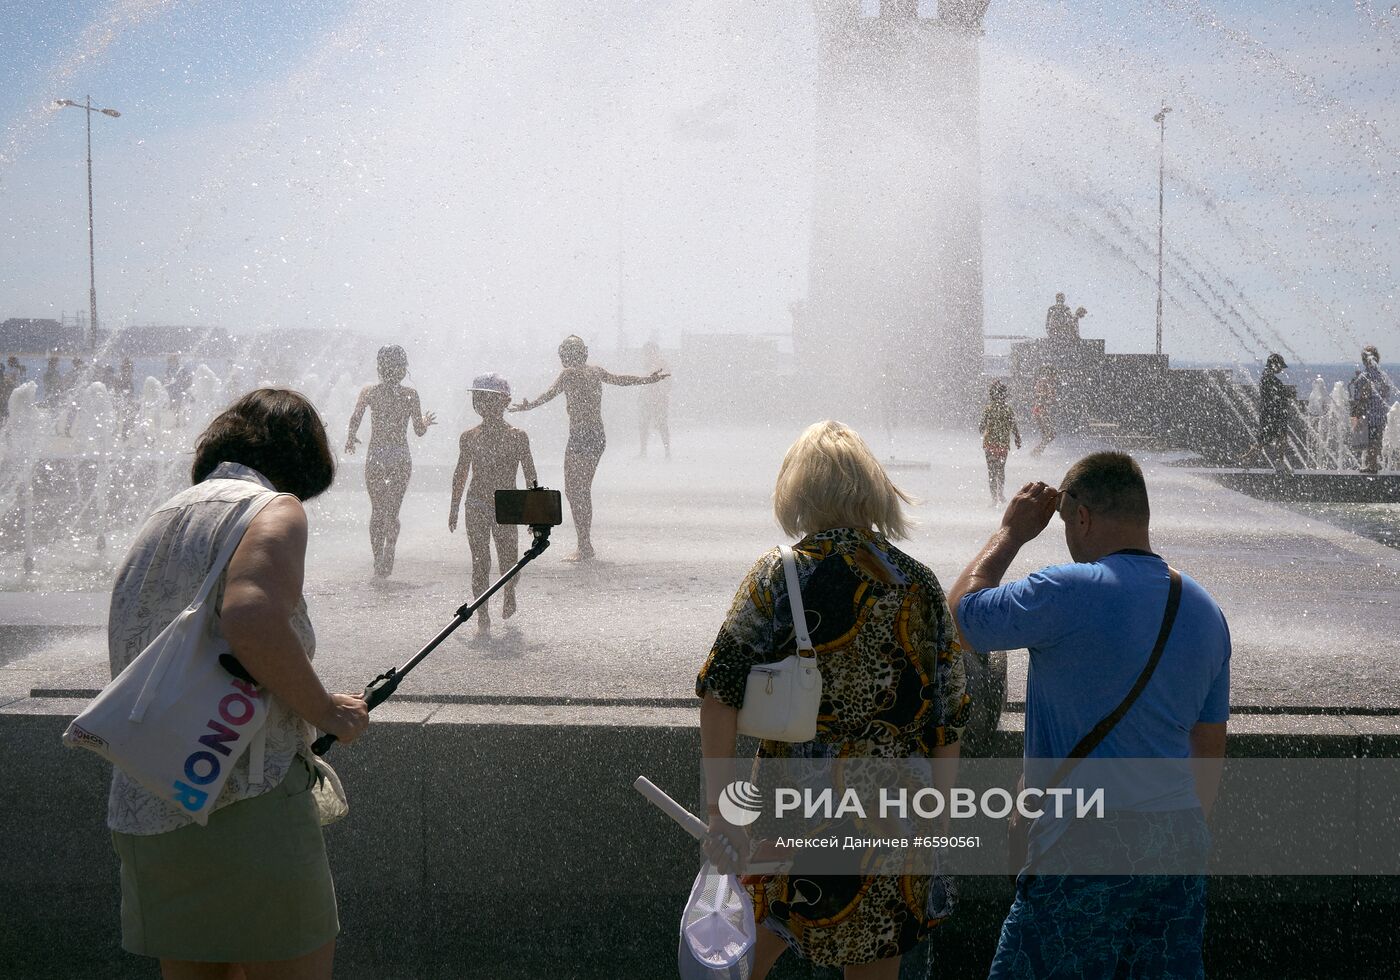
pixel 500 171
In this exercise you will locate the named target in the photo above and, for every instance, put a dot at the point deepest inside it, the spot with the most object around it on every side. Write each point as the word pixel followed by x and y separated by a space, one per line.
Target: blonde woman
pixel 893 686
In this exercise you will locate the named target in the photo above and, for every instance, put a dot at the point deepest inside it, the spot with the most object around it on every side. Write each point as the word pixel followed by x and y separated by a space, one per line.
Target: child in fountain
pixel 388 465
pixel 582 385
pixel 998 428
pixel 491 453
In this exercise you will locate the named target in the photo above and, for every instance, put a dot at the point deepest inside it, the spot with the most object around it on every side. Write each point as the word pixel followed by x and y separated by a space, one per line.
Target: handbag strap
pixel 799 615
pixel 1100 731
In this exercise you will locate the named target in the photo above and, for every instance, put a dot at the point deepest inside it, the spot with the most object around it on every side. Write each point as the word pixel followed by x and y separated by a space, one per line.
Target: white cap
pixel 493 383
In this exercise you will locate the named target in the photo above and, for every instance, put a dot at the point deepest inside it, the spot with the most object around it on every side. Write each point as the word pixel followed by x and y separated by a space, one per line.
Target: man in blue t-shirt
pixel 1090 627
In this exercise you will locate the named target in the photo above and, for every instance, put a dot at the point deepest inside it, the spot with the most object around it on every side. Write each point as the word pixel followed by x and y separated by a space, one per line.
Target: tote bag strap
pixel 799 615
pixel 168 650
pixel 235 536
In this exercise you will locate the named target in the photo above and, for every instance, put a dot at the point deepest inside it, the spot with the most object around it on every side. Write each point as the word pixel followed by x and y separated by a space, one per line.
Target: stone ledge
pixel 643 715
pixel 495 818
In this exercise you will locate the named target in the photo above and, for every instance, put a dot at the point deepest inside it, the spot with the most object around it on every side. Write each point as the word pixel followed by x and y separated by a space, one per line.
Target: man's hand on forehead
pixel 1030 510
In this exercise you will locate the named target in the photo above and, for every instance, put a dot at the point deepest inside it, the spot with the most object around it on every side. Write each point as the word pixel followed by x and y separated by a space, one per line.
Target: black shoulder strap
pixel 1100 731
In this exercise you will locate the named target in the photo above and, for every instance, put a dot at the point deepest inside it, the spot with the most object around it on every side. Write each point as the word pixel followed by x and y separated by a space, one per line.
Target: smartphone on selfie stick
pixel 539 508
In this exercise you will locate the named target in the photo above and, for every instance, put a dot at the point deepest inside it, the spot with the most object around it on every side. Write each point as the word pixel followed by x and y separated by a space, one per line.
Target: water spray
pixel 541 510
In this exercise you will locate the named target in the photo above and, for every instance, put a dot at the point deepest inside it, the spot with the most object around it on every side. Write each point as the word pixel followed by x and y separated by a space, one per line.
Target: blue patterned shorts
pixel 1087 927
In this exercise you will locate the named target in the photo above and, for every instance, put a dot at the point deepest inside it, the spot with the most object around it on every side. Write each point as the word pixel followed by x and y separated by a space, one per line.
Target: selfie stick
pixel 689 822
pixel 378 690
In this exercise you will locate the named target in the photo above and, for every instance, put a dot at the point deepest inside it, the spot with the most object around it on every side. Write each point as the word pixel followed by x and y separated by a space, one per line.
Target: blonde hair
pixel 830 478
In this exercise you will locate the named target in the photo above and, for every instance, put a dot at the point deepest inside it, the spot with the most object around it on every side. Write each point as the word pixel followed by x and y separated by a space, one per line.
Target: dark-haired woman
pixel 582 385
pixel 249 894
pixel 388 465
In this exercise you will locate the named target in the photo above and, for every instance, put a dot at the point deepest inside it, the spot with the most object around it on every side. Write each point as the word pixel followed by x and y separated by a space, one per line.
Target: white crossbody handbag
pixel 781 700
pixel 175 720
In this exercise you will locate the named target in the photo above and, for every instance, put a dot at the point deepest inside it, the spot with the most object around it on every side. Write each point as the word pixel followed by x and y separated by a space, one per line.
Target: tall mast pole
pixel 1161 120
pixel 92 258
pixel 86 106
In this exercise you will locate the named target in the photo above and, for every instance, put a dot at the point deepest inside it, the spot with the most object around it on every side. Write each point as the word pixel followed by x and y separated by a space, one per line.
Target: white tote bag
pixel 781 700
pixel 175 720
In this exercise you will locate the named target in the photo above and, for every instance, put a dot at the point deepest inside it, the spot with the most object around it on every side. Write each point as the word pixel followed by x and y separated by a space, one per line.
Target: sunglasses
pixel 1060 499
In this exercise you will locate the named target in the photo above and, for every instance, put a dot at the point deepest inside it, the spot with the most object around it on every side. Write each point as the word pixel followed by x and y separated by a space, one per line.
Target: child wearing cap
pixel 490 454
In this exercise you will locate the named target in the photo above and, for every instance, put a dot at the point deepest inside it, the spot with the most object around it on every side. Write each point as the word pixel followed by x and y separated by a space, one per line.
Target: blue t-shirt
pixel 1090 628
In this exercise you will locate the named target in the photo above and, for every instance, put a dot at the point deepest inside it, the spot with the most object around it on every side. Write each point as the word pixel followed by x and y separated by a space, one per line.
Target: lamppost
pixel 92 262
pixel 1161 120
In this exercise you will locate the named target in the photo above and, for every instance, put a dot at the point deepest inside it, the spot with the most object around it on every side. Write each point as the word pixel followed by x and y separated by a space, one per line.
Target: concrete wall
pixel 504 842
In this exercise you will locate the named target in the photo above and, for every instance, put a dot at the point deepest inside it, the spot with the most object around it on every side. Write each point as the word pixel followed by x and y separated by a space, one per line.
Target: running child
pixel 491 454
pixel 388 465
pixel 582 386
pixel 998 428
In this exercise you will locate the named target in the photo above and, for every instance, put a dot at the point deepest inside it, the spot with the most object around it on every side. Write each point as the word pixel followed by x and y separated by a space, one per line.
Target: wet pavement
pixel 1314 609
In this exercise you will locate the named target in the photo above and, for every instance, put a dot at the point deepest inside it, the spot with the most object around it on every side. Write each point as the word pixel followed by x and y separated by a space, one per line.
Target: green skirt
pixel 252 885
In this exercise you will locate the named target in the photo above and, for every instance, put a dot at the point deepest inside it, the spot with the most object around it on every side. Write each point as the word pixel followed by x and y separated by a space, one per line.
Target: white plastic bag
pixel 717 929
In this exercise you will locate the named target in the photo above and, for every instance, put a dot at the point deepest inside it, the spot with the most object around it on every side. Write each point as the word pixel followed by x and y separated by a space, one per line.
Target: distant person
pixel 998 428
pixel 250 893
pixel 1059 321
pixel 233 384
pixel 582 385
pixel 52 382
pixel 656 401
pixel 491 454
pixel 887 395
pixel 1079 314
pixel 1370 396
pixel 125 384
pixel 13 375
pixel 1091 627
pixel 125 391
pixel 72 388
pixel 53 375
pixel 894 686
pixel 9 381
pixel 178 379
pixel 388 463
pixel 1275 411
pixel 1044 408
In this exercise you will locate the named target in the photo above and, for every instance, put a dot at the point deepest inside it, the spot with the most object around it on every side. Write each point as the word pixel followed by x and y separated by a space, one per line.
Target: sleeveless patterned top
pixel 160 576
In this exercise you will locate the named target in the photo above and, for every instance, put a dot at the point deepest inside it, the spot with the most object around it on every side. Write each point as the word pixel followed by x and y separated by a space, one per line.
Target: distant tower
pixel 895 276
